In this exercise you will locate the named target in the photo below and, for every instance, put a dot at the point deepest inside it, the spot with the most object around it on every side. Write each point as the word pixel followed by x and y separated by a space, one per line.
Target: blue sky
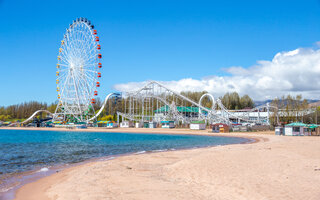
pixel 148 40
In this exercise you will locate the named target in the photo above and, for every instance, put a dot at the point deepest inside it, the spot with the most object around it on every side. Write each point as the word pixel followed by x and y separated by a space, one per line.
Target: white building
pixel 126 124
pixel 198 125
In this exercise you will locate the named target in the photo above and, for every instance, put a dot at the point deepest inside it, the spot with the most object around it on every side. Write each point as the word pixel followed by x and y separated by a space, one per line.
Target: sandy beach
pixel 275 167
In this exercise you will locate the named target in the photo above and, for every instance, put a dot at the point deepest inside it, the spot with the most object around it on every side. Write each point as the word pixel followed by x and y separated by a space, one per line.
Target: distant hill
pixel 260 103
pixel 312 102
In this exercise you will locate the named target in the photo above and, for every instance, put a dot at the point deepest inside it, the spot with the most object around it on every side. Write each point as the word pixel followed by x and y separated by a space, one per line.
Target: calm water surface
pixel 24 150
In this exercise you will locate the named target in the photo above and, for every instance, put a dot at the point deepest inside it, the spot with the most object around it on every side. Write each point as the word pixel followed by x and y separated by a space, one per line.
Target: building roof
pixel 304 125
pixel 313 125
pixel 218 124
pixel 197 122
pixel 102 122
pixel 297 124
pixel 105 122
pixel 186 109
pixel 167 122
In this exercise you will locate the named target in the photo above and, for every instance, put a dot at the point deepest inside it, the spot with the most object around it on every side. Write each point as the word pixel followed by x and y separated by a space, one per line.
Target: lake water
pixel 25 150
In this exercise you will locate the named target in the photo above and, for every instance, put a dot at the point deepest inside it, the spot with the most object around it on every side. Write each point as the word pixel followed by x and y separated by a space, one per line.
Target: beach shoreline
pixel 26 177
pixel 179 172
pixel 179 131
pixel 22 178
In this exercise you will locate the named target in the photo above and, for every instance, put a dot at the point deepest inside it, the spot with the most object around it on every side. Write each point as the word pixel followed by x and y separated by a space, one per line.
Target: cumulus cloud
pixel 292 72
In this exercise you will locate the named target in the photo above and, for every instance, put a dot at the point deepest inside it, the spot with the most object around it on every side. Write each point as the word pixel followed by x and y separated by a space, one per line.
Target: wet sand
pixel 276 167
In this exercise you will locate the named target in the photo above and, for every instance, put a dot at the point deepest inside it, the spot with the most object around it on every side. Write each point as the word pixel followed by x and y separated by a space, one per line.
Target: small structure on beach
pixel 81 126
pixel 152 124
pixel 149 124
pixel 198 125
pixel 102 123
pixel 239 128
pixel 145 124
pixel 315 129
pixel 126 124
pixel 6 123
pixel 279 130
pixel 139 125
pixel 167 124
pixel 220 128
pixel 49 124
pixel 296 129
pixel 112 124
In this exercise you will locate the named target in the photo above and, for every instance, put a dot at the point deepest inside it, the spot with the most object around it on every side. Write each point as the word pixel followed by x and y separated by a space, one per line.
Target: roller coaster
pixel 155 102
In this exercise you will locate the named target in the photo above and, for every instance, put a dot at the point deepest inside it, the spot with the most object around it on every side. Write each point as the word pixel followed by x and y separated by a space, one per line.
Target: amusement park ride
pixel 78 72
pixel 78 79
pixel 155 102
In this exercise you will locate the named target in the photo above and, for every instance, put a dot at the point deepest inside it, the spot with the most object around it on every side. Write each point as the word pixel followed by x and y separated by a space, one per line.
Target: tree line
pixel 231 101
pixel 293 109
pixel 26 109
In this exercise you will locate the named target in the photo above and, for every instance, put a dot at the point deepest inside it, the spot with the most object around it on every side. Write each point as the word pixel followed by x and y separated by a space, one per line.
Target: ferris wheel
pixel 78 72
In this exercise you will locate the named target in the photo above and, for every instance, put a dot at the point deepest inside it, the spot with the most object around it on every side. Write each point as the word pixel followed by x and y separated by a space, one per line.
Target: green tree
pixel 246 102
pixel 231 101
pixel 106 118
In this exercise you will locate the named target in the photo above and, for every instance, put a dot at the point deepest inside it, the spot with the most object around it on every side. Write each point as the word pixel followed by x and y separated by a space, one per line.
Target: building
pixel 220 128
pixel 315 129
pixel 6 123
pixel 152 125
pixel 297 129
pixel 167 124
pixel 279 130
pixel 139 125
pixel 112 124
pixel 198 125
pixel 102 123
pixel 149 124
pixel 126 124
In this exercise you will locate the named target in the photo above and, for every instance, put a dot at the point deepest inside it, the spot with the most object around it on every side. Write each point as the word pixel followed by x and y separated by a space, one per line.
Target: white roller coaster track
pixel 102 107
pixel 267 106
pixel 34 114
pixel 224 109
pixel 94 117
pixel 212 99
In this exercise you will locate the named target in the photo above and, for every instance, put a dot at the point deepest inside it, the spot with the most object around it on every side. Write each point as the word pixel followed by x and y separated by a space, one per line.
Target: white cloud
pixel 293 72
